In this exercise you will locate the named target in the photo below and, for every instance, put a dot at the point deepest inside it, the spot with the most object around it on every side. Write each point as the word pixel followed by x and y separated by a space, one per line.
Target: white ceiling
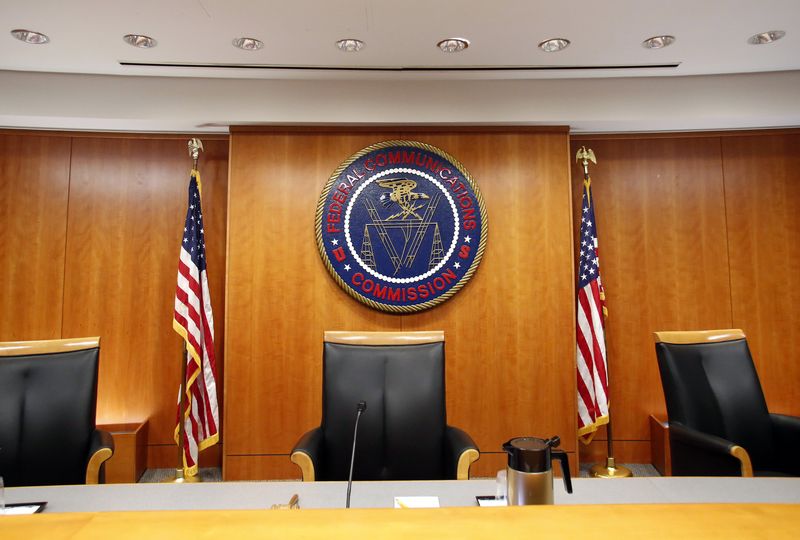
pixel 77 81
pixel 86 36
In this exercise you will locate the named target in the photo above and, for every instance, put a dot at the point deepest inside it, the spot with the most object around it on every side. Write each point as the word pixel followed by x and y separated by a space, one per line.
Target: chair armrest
pixel 100 450
pixel 695 453
pixel 307 453
pixel 786 432
pixel 460 452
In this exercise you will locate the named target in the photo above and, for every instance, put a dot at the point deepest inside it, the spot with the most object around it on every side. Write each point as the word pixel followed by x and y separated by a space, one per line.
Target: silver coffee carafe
pixel 530 472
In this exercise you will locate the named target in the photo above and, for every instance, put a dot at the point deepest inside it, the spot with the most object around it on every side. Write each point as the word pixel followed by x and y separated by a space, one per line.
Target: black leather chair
pixel 48 395
pixel 719 424
pixel 403 434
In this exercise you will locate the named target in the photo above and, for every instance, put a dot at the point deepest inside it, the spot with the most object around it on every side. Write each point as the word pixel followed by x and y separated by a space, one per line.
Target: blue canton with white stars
pixel 193 235
pixel 588 262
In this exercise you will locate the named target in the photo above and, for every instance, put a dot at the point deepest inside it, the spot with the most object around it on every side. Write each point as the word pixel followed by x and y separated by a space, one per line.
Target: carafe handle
pixel 562 457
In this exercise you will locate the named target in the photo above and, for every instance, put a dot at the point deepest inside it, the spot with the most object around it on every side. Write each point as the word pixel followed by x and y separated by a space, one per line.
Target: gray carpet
pixel 638 469
pixel 215 474
pixel 211 474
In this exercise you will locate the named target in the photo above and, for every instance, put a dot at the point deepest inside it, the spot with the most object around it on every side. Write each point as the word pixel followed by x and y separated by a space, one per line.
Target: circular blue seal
pixel 401 226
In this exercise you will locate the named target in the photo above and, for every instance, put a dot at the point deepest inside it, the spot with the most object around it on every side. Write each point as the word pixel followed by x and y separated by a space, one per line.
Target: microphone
pixel 360 408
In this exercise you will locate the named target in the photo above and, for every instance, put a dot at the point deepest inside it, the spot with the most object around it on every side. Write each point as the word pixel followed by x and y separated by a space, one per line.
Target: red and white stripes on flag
pixel 590 333
pixel 194 321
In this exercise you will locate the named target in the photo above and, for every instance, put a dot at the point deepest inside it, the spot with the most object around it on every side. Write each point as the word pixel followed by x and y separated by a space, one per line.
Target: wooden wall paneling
pixel 275 467
pixel 129 460
pixel 126 212
pixel 664 260
pixel 660 451
pixel 491 462
pixel 280 296
pixel 510 332
pixel 165 455
pixel 762 189
pixel 34 186
pixel 638 451
pixel 509 341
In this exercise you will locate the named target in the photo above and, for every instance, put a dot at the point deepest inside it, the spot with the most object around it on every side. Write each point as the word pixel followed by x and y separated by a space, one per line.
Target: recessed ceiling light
pixel 554 45
pixel 29 36
pixel 453 45
pixel 350 45
pixel 140 41
pixel 658 42
pixel 766 37
pixel 248 43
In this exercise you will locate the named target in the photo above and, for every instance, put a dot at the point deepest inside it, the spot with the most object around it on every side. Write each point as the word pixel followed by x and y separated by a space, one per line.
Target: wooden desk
pixel 552 522
pixel 130 452
pixel 659 445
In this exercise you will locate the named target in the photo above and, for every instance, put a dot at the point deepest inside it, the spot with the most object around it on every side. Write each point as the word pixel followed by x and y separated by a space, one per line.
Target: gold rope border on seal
pixel 429 303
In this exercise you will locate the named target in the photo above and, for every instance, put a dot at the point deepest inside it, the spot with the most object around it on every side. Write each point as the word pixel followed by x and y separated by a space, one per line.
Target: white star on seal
pixel 335 242
pixel 467 239
pixel 457 266
pixel 347 267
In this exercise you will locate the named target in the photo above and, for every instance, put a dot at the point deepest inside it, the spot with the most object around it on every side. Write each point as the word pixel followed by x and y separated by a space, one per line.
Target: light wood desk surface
pixel 609 509
pixel 546 522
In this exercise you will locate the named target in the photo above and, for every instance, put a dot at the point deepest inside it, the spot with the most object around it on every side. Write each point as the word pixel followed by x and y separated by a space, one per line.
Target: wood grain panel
pixel 280 297
pixel 518 361
pixel 34 186
pixel 509 333
pixel 126 211
pixel 165 456
pixel 624 452
pixel 129 461
pixel 660 214
pixel 492 462
pixel 660 451
pixel 277 467
pixel 762 189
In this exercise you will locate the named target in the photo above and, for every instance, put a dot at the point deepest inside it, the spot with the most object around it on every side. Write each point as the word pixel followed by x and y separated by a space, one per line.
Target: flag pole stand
pixel 180 477
pixel 610 469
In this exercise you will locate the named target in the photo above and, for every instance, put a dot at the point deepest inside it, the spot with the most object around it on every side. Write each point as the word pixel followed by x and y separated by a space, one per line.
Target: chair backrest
pixel 401 378
pixel 48 393
pixel 711 385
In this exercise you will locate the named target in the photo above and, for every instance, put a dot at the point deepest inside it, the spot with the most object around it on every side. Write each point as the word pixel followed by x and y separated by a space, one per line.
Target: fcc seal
pixel 401 226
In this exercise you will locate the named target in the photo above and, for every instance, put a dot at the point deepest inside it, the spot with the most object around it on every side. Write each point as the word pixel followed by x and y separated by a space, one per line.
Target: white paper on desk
pixel 416 502
pixel 21 510
pixel 492 501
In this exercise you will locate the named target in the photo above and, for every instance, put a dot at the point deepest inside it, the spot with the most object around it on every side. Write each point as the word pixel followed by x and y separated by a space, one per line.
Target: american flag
pixel 591 346
pixel 194 321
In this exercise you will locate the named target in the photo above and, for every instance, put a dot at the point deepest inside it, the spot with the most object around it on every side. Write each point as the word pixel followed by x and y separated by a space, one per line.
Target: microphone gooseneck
pixel 360 408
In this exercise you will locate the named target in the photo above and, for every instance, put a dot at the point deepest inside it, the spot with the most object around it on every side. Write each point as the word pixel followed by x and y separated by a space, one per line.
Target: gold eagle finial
pixel 195 147
pixel 586 156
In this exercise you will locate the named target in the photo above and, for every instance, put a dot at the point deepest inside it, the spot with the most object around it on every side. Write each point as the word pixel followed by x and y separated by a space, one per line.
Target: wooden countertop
pixel 553 522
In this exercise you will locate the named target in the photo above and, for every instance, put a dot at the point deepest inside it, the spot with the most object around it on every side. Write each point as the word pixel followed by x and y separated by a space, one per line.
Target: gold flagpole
pixel 195 146
pixel 610 469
